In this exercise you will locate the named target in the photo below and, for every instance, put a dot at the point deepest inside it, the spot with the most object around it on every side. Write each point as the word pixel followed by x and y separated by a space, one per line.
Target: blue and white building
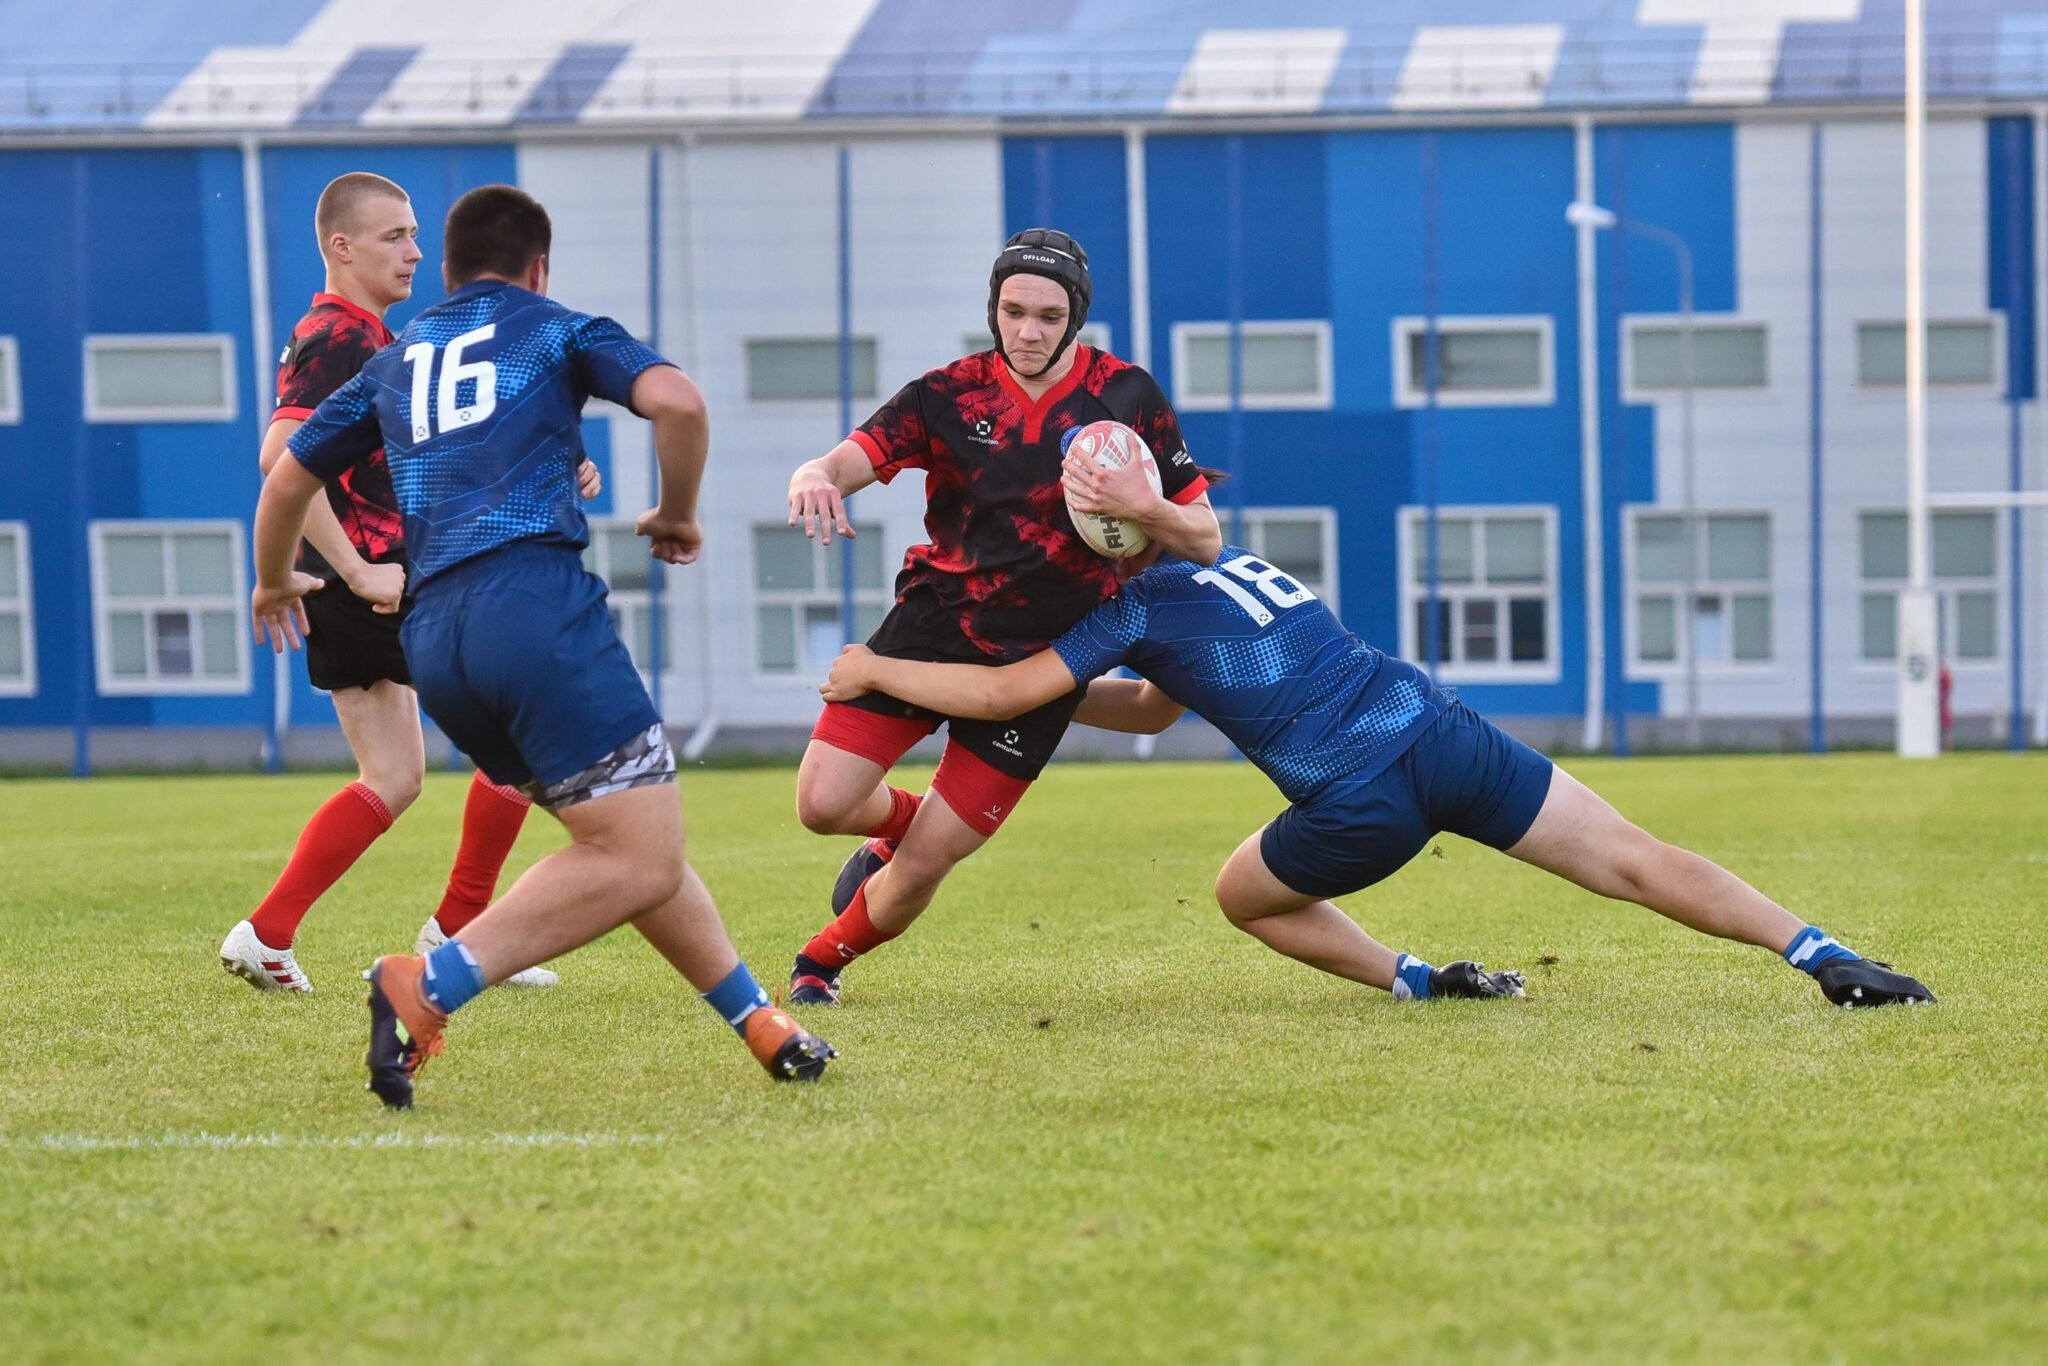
pixel 1318 188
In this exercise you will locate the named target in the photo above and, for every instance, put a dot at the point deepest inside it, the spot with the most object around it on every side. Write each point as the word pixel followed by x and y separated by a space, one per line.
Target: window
pixel 10 381
pixel 1963 351
pixel 1481 362
pixel 1725 355
pixel 1496 605
pixel 1731 611
pixel 796 368
pixel 1285 365
pixel 1095 335
pixel 1964 575
pixel 796 597
pixel 17 614
pixel 620 558
pixel 169 607
pixel 1301 542
pixel 160 378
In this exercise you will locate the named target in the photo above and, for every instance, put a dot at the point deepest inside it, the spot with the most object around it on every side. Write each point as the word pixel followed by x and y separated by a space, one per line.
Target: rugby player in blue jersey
pixel 1373 758
pixel 511 647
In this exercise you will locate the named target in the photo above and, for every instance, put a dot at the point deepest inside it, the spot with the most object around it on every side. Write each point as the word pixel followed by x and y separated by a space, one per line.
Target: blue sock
pixel 737 997
pixel 453 978
pixel 1411 978
pixel 1813 946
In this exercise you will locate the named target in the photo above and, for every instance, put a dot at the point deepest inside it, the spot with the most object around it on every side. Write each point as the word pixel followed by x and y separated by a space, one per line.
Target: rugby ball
pixel 1112 445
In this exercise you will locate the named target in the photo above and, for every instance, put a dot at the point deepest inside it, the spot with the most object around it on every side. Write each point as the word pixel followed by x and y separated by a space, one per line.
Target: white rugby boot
pixel 433 937
pixel 261 966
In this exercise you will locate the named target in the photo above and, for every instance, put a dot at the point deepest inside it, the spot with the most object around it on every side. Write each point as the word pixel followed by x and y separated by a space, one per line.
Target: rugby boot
pixel 1469 980
pixel 788 1050
pixel 261 966
pixel 860 865
pixel 1859 982
pixel 405 1028
pixel 811 983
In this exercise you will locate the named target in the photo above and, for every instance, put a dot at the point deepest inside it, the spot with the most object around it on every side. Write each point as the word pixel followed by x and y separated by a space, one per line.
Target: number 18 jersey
pixel 1264 661
pixel 478 406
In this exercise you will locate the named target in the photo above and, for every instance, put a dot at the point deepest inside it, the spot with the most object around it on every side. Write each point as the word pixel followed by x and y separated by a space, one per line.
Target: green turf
pixel 1079 1116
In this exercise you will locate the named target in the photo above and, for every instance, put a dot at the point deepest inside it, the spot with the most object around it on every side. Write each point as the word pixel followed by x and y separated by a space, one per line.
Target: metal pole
pixel 1919 728
pixel 655 568
pixel 278 723
pixel 1140 340
pixel 846 373
pixel 1433 644
pixel 1592 505
pixel 1233 247
pixel 1689 454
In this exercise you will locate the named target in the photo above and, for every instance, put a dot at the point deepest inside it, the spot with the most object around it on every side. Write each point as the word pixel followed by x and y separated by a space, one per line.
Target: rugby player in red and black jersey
pixel 1002 574
pixel 354 544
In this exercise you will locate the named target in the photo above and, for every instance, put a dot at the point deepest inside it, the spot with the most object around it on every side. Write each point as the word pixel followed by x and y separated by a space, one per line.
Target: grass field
pixel 1079 1116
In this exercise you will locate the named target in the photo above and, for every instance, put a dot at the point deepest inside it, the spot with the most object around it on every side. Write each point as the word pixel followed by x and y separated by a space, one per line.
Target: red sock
pixel 902 807
pixel 491 819
pixel 346 824
pixel 848 937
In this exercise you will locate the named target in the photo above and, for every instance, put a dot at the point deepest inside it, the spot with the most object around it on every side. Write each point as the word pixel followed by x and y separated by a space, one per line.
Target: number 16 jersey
pixel 478 406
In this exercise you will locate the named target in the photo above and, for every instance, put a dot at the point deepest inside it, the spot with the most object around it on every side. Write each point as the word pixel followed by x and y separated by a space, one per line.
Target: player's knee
pixel 653 876
pixel 824 812
pixel 1634 864
pixel 398 790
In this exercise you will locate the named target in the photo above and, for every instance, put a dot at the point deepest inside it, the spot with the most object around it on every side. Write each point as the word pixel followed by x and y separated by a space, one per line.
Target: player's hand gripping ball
pixel 1111 445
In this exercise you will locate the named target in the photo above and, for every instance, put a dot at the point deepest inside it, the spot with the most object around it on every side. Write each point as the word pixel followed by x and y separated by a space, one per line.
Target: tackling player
pixel 1003 573
pixel 1375 761
pixel 355 544
pixel 512 648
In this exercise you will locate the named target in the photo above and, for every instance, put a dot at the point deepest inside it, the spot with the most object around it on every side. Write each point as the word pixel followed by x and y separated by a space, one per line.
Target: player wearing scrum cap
pixel 1002 573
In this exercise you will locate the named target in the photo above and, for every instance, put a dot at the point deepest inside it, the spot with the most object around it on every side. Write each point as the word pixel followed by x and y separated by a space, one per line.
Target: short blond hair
pixel 342 201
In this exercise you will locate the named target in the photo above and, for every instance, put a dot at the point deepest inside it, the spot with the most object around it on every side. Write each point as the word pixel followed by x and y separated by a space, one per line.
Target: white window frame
pixel 1411 390
pixel 1323 396
pixel 628 603
pixel 1325 518
pixel 1996 384
pixel 10 378
pixel 785 404
pixel 797 599
pixel 1663 670
pixel 1412 519
pixel 1632 392
pixel 1945 588
pixel 224 349
pixel 24 686
pixel 237 603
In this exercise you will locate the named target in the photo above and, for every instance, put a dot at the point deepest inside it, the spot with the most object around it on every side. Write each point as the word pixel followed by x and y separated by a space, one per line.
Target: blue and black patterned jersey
pixel 1264 661
pixel 478 406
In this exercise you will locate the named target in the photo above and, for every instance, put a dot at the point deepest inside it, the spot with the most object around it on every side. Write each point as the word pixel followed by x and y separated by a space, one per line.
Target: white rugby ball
pixel 1112 445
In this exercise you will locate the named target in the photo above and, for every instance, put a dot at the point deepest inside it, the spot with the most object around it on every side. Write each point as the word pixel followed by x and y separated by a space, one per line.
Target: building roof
pixel 276 65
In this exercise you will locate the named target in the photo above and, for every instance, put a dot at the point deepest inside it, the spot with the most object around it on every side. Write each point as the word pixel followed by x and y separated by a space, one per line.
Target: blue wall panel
pixel 1680 177
pixel 1077 185
pixel 1500 246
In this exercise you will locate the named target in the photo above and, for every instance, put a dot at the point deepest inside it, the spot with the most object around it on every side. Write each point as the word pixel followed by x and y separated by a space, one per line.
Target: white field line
pixel 76 1143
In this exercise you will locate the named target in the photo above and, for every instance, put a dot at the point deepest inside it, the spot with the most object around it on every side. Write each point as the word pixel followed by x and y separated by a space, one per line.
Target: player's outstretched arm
pixel 981 692
pixel 1130 705
pixel 666 397
pixel 276 607
pixel 819 489
pixel 380 585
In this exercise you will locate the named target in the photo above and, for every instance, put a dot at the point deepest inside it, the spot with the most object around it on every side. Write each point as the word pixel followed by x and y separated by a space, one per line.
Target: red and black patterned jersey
pixel 333 341
pixel 1004 570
